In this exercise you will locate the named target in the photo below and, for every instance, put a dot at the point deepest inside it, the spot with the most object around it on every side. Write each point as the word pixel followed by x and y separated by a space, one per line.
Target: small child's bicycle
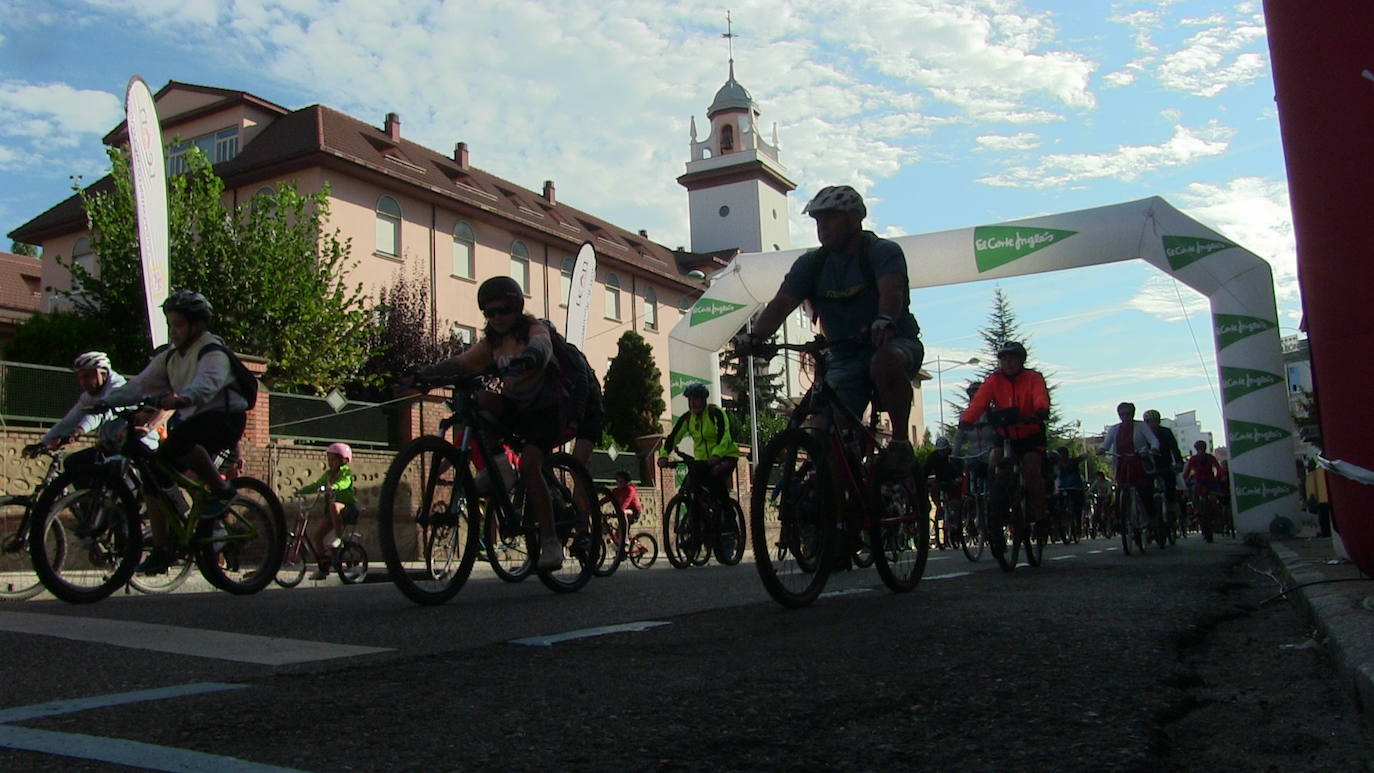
pixel 349 559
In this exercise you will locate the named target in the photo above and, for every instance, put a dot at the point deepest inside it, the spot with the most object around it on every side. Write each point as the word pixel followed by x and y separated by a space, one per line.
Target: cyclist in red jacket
pixel 1014 386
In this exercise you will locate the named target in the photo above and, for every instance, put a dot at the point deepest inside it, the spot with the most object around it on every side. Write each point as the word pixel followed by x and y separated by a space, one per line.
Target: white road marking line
pixel 220 645
pixel 55 708
pixel 845 592
pixel 949 576
pixel 1062 558
pixel 119 751
pixel 584 633
pixel 1094 552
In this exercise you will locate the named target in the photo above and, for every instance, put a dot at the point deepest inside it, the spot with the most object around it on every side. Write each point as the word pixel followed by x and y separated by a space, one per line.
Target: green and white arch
pixel 1238 284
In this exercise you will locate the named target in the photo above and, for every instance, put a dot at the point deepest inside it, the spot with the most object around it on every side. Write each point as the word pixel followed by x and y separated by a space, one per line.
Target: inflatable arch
pixel 1238 284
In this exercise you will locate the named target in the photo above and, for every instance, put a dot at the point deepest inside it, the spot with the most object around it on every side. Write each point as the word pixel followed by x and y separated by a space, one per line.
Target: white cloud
pixel 1167 299
pixel 1118 79
pixel 1255 213
pixel 1007 143
pixel 1214 59
pixel 41 120
pixel 1126 163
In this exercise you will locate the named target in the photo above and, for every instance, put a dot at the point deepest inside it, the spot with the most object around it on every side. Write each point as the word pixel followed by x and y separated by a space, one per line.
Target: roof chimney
pixel 549 195
pixel 393 126
pixel 460 154
pixel 644 233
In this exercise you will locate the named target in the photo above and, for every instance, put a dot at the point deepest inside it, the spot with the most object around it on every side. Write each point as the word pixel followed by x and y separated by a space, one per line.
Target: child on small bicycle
pixel 627 496
pixel 336 483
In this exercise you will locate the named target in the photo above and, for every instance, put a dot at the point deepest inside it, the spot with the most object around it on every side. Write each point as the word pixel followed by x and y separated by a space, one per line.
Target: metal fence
pixel 312 419
pixel 35 394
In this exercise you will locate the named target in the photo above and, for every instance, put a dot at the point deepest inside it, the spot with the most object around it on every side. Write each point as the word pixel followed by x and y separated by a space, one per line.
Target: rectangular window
pixel 226 144
pixel 650 314
pixel 464 334
pixel 387 236
pixel 462 259
pixel 612 303
pixel 520 272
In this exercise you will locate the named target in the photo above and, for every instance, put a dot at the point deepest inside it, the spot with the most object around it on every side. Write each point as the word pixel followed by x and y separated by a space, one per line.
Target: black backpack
pixel 245 383
pixel 575 375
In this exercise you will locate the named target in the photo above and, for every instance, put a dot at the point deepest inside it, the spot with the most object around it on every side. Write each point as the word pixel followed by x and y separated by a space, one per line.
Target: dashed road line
pixel 584 633
pixel 73 705
pixel 1064 558
pixel 220 645
pixel 949 576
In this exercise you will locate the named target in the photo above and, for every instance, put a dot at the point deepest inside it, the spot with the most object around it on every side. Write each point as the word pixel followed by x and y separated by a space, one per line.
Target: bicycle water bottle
pixel 174 496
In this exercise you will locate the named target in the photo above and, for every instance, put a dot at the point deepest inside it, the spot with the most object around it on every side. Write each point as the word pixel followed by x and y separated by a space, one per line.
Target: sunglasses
pixel 496 311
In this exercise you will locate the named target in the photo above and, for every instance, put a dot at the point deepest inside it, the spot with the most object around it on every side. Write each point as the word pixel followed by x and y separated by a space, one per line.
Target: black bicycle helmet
pixel 191 305
pixel 500 288
pixel 696 389
pixel 836 198
pixel 972 388
pixel 1012 348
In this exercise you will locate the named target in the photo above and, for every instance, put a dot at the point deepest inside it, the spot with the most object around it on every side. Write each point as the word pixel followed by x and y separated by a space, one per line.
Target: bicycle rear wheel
pixel 972 537
pixel 575 522
pixel 241 552
pixel 642 550
pixel 84 543
pixel 428 517
pixel 900 535
pixel 509 553
pixel 792 519
pixel 351 561
pixel 730 543
pixel 1001 537
pixel 164 582
pixel 292 569
pixel 1035 536
pixel 613 526
pixel 18 580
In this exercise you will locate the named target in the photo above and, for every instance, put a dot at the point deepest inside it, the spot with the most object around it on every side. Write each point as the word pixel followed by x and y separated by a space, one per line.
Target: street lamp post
pixel 940 381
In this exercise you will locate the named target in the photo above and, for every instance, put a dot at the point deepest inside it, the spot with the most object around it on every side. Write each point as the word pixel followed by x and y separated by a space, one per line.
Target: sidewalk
pixel 1342 612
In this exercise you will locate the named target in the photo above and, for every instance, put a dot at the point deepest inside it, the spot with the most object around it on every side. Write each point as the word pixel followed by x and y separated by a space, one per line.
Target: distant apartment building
pixel 21 292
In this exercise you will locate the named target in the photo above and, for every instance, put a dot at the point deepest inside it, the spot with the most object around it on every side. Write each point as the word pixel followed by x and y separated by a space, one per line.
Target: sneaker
pixel 550 554
pixel 218 504
pixel 157 562
pixel 321 573
pixel 898 460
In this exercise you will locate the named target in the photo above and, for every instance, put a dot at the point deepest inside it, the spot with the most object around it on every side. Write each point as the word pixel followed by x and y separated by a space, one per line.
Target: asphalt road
pixel 1095 661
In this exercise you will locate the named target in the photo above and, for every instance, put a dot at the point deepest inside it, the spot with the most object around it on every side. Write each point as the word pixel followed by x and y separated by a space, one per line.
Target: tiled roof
pixel 20 283
pixel 320 136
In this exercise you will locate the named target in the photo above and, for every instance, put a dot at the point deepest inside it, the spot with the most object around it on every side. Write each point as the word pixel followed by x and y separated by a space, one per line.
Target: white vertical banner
pixel 580 297
pixel 150 199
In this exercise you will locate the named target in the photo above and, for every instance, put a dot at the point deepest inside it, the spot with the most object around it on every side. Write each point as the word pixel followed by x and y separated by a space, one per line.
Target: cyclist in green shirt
pixel 709 429
pixel 339 495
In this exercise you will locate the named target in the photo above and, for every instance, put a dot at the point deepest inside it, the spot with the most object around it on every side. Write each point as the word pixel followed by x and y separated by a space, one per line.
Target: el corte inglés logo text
pixel 997 245
pixel 1184 250
pixel 1253 491
pixel 1247 436
pixel 680 381
pixel 708 309
pixel 1231 328
pixel 1236 382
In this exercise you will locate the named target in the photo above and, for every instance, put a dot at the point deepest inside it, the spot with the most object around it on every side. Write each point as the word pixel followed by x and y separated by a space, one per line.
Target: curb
pixel 1339 618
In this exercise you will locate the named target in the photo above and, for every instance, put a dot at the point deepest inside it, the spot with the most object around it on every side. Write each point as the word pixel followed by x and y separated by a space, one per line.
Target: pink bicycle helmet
pixel 341 449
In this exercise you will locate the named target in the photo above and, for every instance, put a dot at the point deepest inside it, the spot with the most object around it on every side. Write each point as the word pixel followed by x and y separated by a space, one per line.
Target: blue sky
pixel 945 114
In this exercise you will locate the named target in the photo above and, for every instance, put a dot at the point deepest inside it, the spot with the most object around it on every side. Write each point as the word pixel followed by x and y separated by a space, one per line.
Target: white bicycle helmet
pixel 92 361
pixel 836 198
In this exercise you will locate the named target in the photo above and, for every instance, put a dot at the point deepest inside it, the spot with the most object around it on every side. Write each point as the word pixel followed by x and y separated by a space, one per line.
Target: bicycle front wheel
pixel 351 561
pixel 163 582
pixel 730 543
pixel 427 515
pixel 18 580
pixel 971 525
pixel 508 553
pixel 613 526
pixel 642 550
pixel 293 563
pixel 900 534
pixel 241 552
pixel 575 522
pixel 792 519
pixel 679 532
pixel 84 543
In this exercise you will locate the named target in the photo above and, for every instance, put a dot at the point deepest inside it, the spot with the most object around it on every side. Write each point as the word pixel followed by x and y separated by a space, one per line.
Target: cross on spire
pixel 730 36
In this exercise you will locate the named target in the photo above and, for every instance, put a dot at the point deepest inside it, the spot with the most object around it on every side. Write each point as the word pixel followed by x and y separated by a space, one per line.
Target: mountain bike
pixel 18 580
pixel 431 514
pixel 818 487
pixel 1009 515
pixel 697 524
pixel 1132 518
pixel 102 505
pixel 350 557
pixel 973 509
pixel 1206 506
pixel 641 549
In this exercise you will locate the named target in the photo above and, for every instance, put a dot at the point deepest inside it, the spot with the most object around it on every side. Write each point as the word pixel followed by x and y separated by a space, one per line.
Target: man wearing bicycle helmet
pixel 528 404
pixel 1022 394
pixel 194 377
pixel 709 428
pixel 1168 459
pixel 857 284
pixel 97 379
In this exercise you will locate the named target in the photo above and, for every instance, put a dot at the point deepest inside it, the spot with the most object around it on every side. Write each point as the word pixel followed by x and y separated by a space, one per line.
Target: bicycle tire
pixel 1127 510
pixel 972 538
pixel 673 513
pixel 166 582
pixel 1004 550
pixel 863 551
pixel 642 550
pixel 429 540
pixel 1160 522
pixel 351 562
pixel 86 567
pixel 792 519
pixel 1034 539
pixel 252 544
pixel 292 569
pixel 729 549
pixel 613 528
pixel 899 533
pixel 509 555
pixel 18 580
pixel 578 528
pixel 1205 514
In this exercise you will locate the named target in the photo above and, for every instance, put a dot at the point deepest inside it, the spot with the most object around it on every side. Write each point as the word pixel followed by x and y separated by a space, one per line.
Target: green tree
pixel 1002 327
pixel 633 391
pixel 736 396
pixel 405 338
pixel 271 269
pixel 57 337
pixel 21 248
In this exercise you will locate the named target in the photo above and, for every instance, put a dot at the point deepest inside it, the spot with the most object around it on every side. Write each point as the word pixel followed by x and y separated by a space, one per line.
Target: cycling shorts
pixel 847 371
pixel 214 431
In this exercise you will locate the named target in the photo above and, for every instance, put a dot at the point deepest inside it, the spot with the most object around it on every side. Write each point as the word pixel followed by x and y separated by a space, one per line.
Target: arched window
pixel 84 256
pixel 650 309
pixel 520 265
pixel 464 242
pixel 266 198
pixel 727 138
pixel 565 280
pixel 388 227
pixel 612 297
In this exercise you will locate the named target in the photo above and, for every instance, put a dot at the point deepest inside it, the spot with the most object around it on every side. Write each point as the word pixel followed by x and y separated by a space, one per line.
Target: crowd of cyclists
pixel 541 394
